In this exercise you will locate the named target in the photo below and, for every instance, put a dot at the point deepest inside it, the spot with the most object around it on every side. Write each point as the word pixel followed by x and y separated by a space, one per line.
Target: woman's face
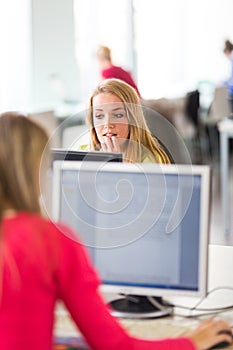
pixel 228 54
pixel 110 122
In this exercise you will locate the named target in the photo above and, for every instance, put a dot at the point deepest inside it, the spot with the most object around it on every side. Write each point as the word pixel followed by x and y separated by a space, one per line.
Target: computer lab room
pixel 116 175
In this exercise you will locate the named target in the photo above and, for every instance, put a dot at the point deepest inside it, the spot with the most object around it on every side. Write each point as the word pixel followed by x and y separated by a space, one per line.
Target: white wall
pixel 179 43
pixel 54 71
pixel 102 22
pixel 15 58
pixel 38 67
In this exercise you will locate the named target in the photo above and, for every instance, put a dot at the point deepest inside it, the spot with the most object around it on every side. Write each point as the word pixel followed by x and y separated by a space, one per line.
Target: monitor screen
pixel 66 154
pixel 146 226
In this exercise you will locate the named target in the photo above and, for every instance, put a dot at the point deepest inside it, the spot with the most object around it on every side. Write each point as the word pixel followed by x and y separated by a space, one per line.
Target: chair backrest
pixel 220 107
pixel 168 136
pixel 48 121
pixel 75 136
pixel 192 106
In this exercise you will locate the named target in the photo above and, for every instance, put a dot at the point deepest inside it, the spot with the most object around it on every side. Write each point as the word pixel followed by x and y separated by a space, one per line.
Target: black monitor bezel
pixel 73 155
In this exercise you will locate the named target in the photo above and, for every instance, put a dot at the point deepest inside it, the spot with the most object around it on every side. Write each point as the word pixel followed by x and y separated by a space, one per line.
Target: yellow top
pixel 84 147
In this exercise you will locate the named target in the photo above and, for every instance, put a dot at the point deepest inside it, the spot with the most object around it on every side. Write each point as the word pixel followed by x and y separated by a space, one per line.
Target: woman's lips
pixel 109 134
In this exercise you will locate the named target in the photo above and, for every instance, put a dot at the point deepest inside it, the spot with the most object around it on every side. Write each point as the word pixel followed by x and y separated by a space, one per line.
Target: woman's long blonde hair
pixel 22 143
pixel 140 138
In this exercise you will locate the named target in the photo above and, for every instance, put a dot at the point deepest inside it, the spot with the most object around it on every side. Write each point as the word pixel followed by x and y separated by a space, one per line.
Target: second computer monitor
pixel 146 226
pixel 73 155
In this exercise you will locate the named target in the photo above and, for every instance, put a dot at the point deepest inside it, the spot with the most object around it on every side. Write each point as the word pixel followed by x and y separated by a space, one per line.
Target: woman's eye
pixel 118 115
pixel 99 116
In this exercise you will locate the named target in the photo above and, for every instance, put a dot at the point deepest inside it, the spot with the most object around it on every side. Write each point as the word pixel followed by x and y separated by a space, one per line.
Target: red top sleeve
pixel 44 262
pixel 78 288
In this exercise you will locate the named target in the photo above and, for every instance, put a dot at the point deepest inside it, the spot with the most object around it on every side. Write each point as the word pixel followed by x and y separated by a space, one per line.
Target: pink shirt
pixel 119 73
pixel 41 265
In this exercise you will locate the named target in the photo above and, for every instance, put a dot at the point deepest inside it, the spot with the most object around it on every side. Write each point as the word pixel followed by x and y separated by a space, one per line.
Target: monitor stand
pixel 136 306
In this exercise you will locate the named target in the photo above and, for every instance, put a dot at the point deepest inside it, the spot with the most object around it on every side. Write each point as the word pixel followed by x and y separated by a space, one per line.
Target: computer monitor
pixel 146 227
pixel 67 154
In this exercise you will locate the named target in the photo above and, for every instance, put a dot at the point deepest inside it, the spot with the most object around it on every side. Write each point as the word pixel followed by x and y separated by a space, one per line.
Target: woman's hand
pixel 208 333
pixel 111 144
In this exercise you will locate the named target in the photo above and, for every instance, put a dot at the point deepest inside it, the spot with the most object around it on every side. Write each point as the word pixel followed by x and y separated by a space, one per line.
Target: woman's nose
pixel 108 120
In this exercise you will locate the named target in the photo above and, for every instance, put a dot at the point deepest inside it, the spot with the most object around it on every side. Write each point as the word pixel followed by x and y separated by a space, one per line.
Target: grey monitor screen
pixel 145 226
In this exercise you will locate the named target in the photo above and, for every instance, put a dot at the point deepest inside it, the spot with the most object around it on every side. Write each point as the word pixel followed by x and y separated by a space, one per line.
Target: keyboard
pixel 70 343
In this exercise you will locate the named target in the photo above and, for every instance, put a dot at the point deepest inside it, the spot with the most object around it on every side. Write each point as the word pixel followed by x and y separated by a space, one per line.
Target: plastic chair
pixel 49 122
pixel 75 136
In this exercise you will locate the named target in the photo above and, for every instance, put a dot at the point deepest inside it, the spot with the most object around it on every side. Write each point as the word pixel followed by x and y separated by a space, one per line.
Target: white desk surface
pixel 220 274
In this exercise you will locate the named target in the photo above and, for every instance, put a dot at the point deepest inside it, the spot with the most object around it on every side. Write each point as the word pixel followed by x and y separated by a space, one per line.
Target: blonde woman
pixel 41 262
pixel 117 124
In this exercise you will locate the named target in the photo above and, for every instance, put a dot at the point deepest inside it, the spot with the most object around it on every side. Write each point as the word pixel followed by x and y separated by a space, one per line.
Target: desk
pixel 167 327
pixel 220 274
pixel 225 128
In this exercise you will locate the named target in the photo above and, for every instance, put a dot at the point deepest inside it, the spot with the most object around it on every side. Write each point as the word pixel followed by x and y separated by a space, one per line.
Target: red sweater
pixel 43 264
pixel 119 73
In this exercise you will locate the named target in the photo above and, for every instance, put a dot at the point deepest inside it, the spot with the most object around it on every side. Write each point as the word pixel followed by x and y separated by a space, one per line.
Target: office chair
pixel 75 136
pixel 49 122
pixel 167 136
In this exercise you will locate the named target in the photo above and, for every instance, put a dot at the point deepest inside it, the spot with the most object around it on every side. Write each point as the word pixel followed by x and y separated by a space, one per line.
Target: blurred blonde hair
pixel 22 143
pixel 140 138
pixel 104 53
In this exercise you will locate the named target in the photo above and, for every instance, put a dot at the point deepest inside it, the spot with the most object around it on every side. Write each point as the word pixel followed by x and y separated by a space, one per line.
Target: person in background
pixel 117 124
pixel 41 262
pixel 109 70
pixel 228 51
